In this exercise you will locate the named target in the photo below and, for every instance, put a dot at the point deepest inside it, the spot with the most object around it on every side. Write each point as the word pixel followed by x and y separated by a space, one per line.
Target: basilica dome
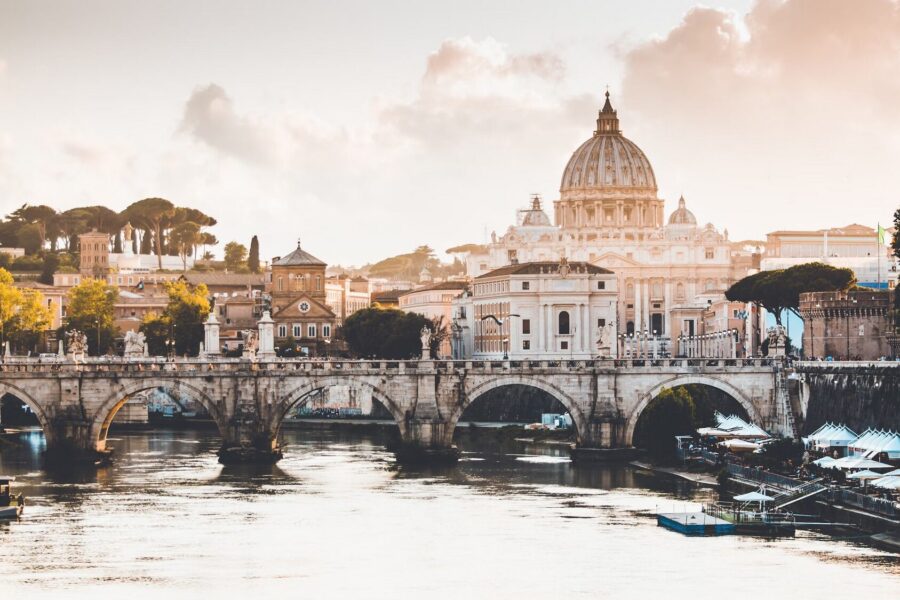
pixel 608 165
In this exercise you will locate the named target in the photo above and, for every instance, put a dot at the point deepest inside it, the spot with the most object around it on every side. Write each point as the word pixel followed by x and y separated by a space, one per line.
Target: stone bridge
pixel 75 402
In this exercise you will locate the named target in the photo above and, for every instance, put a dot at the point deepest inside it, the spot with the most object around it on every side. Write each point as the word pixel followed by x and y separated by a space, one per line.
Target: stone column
pixel 211 335
pixel 266 337
pixel 637 304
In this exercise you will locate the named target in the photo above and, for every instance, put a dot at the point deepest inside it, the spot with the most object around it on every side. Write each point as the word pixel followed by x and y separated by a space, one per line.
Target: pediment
pixel 611 261
pixel 317 310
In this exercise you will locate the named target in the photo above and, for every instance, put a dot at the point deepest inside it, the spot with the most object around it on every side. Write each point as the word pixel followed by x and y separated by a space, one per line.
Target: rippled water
pixel 337 519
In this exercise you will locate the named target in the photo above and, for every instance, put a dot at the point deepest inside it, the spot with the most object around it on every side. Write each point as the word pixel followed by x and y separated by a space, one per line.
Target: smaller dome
pixel 535 216
pixel 682 216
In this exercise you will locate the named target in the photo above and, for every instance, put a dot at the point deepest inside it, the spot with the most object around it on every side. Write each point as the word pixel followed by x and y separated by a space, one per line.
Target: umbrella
pixel 825 461
pixel 867 474
pixel 892 473
pixel 753 497
pixel 858 462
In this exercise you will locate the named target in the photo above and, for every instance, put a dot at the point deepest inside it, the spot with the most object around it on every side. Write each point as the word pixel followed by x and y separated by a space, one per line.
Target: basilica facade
pixel 668 270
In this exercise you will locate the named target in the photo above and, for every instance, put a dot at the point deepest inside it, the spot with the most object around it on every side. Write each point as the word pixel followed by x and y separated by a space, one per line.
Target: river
pixel 337 519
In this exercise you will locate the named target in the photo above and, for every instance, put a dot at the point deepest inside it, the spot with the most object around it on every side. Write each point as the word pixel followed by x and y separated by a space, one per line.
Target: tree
pixel 31 321
pixel 780 289
pixel 184 237
pixel 181 321
pixel 235 255
pixel 439 333
pixel 253 258
pixel 150 213
pixel 29 238
pixel 671 413
pixel 40 216
pixel 895 241
pixel 91 309
pixel 384 333
pixel 10 300
pixel 51 263
pixel 156 329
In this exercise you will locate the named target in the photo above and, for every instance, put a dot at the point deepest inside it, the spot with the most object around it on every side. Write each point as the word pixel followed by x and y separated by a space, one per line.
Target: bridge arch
pixel 301 394
pixel 582 431
pixel 25 397
pixel 680 380
pixel 105 414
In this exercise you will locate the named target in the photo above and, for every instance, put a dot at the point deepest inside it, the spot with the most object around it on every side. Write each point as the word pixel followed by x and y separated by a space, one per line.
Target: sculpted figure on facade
pixel 425 335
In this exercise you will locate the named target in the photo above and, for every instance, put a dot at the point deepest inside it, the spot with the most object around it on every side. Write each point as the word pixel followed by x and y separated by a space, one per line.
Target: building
pixel 93 247
pixel 851 325
pixel 538 310
pixel 54 298
pixel 609 215
pixel 854 246
pixel 226 284
pixel 296 285
pixel 345 295
pixel 434 302
pixel 133 306
pixel 387 298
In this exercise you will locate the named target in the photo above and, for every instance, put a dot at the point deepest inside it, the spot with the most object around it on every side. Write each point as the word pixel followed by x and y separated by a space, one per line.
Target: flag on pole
pixel 881 232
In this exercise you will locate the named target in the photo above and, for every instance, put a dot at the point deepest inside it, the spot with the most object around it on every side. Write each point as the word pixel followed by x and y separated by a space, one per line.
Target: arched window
pixel 564 323
pixel 709 285
pixel 629 328
pixel 629 291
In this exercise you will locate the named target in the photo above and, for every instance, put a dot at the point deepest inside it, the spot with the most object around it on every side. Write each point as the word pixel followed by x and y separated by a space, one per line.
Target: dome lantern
pixel 607 119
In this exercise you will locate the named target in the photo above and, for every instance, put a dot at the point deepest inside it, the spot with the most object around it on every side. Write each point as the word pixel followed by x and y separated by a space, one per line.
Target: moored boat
pixel 11 507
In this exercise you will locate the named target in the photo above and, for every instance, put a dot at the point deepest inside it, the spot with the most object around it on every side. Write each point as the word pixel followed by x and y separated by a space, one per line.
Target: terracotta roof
pixel 443 285
pixel 298 257
pixel 388 295
pixel 536 268
pixel 216 278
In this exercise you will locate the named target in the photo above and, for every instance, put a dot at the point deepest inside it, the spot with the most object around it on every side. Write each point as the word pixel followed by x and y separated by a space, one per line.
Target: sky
pixel 369 128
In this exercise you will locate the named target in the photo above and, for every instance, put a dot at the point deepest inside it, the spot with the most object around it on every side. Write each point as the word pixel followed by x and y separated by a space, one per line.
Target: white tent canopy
pixel 858 462
pixel 831 435
pixel 887 483
pixel 753 497
pixel 865 474
pixel 825 462
pixel 733 427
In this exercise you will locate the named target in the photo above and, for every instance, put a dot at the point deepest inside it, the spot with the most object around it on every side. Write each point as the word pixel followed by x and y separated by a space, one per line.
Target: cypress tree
pixel 117 244
pixel 253 257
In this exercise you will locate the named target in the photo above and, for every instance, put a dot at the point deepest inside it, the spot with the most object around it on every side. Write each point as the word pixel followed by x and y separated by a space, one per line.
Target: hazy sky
pixel 371 127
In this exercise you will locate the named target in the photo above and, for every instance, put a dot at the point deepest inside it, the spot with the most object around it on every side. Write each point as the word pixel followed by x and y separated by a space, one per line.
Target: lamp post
pixel 97 325
pixel 500 323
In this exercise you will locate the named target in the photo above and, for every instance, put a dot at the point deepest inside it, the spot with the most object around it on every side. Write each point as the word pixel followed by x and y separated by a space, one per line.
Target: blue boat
pixel 694 523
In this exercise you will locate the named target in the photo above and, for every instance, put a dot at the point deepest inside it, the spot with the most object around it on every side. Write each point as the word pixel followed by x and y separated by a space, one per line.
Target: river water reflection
pixel 337 519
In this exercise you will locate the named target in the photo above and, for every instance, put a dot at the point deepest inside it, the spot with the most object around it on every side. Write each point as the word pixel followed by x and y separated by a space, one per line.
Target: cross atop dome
pixel 607 119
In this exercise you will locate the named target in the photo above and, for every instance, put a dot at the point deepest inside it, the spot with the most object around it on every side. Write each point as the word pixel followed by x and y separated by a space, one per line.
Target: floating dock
pixel 694 523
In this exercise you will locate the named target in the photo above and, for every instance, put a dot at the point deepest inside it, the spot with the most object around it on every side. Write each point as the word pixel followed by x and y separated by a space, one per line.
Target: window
pixel 526 285
pixel 526 326
pixel 601 285
pixel 281 284
pixel 326 331
pixel 629 328
pixel 311 331
pixel 526 344
pixel 282 331
pixel 710 253
pixel 564 345
pixel 318 283
pixel 297 330
pixel 564 323
pixel 601 322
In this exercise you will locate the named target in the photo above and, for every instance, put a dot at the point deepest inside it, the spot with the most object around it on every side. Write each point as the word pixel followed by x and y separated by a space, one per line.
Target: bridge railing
pixel 35 364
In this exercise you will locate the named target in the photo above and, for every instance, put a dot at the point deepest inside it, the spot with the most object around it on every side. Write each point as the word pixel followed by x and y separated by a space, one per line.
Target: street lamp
pixel 500 323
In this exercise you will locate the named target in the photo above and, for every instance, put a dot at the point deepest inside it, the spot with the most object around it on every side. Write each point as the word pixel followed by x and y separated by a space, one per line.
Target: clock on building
pixel 304 306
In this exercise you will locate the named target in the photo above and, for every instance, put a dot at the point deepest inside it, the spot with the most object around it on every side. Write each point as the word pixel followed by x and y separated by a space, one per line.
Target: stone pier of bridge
pixel 76 402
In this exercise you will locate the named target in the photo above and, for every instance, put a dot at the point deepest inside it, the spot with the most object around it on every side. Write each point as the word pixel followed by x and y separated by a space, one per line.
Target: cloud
pixel 210 117
pixel 790 110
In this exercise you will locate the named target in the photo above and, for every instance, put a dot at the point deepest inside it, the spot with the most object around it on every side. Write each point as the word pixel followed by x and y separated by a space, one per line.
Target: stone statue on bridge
pixel 425 334
pixel 77 343
pixel 605 340
pixel 777 341
pixel 251 342
pixel 134 344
